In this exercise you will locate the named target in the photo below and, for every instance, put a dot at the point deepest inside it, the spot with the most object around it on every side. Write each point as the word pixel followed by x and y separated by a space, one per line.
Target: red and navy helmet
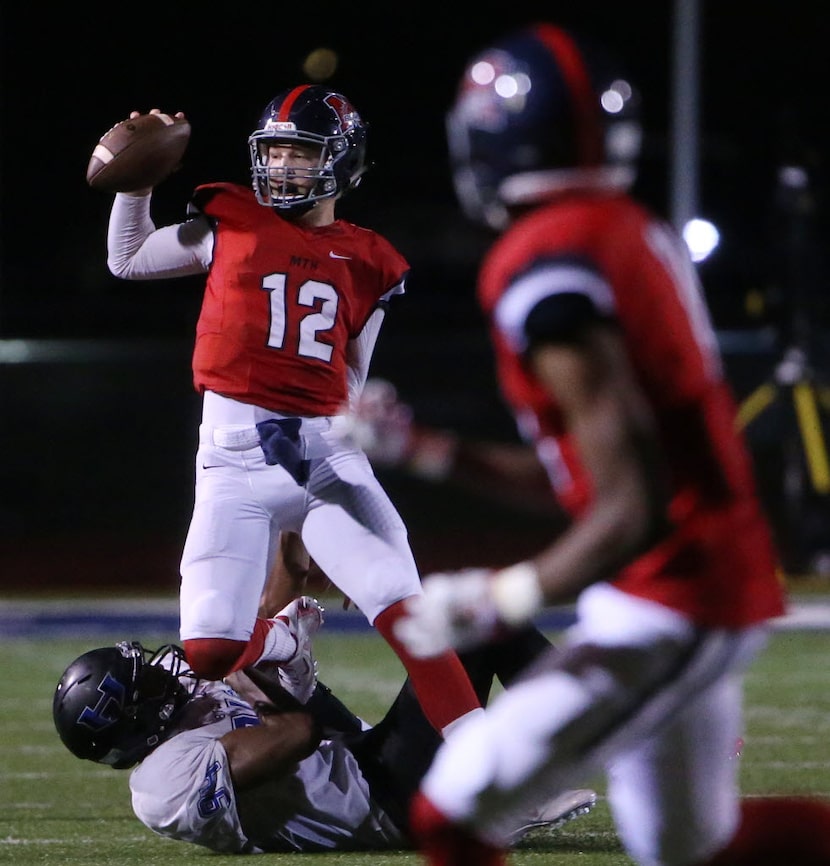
pixel 539 112
pixel 311 115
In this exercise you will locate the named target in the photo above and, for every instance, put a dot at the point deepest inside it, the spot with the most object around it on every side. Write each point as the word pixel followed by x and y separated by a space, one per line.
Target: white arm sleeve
pixel 359 354
pixel 137 250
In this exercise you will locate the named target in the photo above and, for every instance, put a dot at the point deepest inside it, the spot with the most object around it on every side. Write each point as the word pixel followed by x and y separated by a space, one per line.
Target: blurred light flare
pixel 702 238
pixel 507 85
pixel 612 101
pixel 614 98
pixel 482 73
pixel 624 140
pixel 794 177
pixel 320 64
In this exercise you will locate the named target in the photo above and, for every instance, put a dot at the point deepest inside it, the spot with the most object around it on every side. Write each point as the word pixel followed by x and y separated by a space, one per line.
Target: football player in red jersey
pixel 292 307
pixel 605 354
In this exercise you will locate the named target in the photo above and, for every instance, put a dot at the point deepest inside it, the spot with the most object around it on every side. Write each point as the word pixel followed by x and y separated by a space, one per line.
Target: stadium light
pixel 702 237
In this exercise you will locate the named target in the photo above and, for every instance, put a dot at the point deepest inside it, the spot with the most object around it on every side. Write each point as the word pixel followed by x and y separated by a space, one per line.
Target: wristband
pixel 516 593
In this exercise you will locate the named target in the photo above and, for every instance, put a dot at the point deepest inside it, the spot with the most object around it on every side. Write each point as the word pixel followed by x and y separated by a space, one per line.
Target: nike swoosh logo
pixel 333 255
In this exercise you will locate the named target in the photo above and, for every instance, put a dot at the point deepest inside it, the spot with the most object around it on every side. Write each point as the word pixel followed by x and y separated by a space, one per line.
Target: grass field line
pixel 55 617
pixel 40 840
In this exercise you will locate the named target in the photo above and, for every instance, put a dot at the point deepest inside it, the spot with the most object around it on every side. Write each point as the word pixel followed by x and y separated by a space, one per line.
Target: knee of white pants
pixel 380 585
pixel 374 569
pixel 211 613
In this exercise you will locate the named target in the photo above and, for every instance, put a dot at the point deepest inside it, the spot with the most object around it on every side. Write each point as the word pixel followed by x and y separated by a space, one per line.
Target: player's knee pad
pixel 208 614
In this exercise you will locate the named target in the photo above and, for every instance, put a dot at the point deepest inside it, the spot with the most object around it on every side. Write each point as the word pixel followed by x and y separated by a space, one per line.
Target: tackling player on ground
pixel 268 760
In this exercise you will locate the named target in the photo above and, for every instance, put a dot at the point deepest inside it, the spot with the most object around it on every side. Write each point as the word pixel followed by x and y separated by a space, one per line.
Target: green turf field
pixel 55 809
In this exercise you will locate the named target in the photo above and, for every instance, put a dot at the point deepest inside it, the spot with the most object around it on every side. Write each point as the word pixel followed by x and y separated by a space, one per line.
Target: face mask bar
pixel 278 187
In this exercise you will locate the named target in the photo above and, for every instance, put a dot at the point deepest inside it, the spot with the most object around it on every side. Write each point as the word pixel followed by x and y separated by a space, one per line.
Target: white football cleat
pixel 555 813
pixel 298 675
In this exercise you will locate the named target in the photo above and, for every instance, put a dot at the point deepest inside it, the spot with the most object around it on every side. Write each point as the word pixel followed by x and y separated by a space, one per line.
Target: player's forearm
pixel 591 549
pixel 137 250
pixel 628 515
pixel 505 472
pixel 270 750
pixel 130 225
pixel 617 527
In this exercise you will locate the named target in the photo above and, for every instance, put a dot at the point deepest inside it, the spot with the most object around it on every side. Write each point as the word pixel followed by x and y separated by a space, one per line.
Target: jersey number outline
pixel 212 798
pixel 311 324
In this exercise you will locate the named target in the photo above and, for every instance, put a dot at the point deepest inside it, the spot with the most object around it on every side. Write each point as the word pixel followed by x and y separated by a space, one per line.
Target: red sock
pixel 443 688
pixel 215 657
pixel 779 831
pixel 445 844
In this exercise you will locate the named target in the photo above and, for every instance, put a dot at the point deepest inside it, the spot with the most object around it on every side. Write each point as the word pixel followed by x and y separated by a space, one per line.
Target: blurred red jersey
pixel 718 566
pixel 282 302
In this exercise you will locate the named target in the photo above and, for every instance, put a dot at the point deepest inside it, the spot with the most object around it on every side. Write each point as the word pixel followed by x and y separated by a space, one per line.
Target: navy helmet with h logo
pixel 113 705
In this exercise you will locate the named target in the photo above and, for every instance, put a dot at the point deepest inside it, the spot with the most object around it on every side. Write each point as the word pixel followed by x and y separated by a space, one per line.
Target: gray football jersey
pixel 183 790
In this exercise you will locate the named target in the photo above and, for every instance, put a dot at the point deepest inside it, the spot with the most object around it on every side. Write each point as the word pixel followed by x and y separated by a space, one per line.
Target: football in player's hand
pixel 137 153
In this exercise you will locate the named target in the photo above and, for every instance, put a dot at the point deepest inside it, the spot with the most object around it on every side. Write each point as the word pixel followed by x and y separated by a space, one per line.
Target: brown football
pixel 137 153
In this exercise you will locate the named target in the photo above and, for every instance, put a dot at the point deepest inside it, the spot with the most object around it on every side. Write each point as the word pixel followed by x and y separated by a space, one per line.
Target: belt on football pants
pixel 287 442
pixel 235 438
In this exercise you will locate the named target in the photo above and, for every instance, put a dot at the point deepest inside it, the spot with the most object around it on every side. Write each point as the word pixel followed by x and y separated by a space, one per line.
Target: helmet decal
pixel 343 108
pixel 278 126
pixel 109 708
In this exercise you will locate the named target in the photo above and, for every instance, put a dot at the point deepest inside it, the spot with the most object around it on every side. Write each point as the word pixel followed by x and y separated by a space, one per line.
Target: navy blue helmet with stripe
pixel 314 116
pixel 538 112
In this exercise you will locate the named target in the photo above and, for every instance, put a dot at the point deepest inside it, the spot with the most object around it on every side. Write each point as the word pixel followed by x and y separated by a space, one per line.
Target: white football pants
pixel 635 691
pixel 345 518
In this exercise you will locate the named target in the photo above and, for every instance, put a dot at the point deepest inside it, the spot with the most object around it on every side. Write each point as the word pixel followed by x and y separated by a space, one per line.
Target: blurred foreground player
pixel 605 354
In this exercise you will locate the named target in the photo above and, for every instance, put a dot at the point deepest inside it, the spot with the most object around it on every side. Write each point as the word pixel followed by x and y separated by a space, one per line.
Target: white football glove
pixel 381 424
pixel 456 610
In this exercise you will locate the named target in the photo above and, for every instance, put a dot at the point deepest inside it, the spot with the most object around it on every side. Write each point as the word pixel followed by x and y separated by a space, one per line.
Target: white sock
pixel 280 644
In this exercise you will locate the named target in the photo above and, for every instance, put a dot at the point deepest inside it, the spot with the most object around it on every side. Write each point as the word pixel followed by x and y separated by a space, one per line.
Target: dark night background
pixel 97 418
